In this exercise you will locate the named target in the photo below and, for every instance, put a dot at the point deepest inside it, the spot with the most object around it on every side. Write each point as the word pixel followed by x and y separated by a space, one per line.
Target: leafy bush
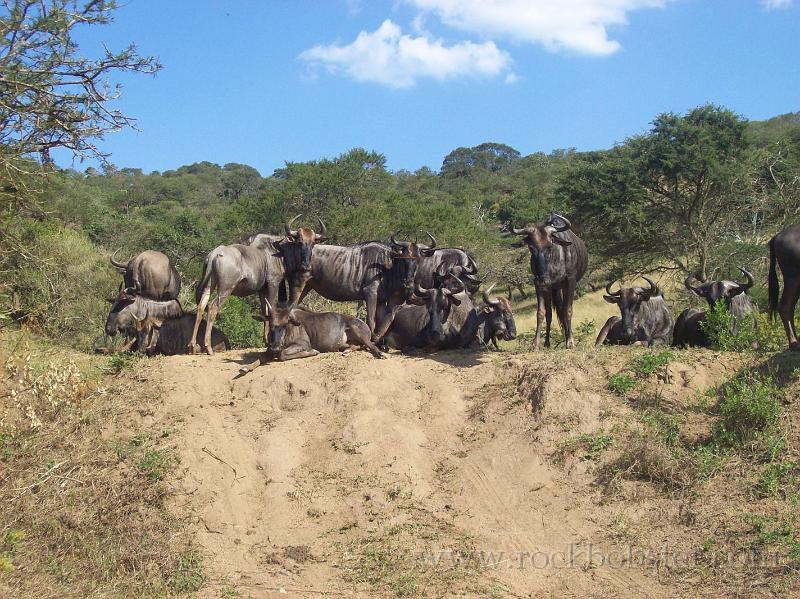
pixel 646 364
pixel 749 411
pixel 764 334
pixel 237 322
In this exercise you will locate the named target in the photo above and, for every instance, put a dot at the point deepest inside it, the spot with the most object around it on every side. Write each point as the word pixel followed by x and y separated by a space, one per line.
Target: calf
pixel 495 319
pixel 645 317
pixel 299 333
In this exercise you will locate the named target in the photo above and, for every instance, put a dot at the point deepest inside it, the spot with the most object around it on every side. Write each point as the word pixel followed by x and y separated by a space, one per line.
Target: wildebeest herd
pixel 417 296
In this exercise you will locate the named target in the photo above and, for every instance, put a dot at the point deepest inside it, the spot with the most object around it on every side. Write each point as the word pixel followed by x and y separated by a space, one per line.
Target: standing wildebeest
pixel 156 327
pixel 258 266
pixel 784 249
pixel 422 324
pixel 300 333
pixel 150 274
pixel 646 317
pixel 558 261
pixel 455 261
pixel 688 327
pixel 371 271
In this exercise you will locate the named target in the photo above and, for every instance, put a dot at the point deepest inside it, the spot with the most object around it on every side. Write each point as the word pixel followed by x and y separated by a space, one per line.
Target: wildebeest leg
pixel 548 314
pixel 601 337
pixel 567 296
pixel 372 308
pixel 213 311
pixel 791 292
pixel 296 351
pixel 359 336
pixel 198 318
pixel 540 313
pixel 392 306
pixel 265 315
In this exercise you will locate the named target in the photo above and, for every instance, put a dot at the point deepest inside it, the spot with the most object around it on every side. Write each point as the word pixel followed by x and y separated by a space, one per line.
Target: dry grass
pixel 86 514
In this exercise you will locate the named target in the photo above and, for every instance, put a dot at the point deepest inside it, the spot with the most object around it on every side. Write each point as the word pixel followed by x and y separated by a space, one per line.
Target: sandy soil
pixel 343 474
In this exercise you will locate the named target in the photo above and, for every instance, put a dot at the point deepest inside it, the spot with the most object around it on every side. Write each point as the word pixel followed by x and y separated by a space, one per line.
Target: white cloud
pixel 391 58
pixel 776 4
pixel 575 25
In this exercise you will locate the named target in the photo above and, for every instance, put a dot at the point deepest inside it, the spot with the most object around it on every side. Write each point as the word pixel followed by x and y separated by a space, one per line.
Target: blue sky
pixel 266 82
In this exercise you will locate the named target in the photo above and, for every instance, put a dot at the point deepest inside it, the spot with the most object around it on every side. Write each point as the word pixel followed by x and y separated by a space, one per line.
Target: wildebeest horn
pixel 433 240
pixel 749 278
pixel 472 268
pixel 694 290
pixel 421 291
pixel 653 287
pixel 116 264
pixel 565 227
pixel 489 301
pixel 460 284
pixel 441 270
pixel 288 227
pixel 469 277
pixel 613 293
pixel 403 244
pixel 323 230
pixel 522 231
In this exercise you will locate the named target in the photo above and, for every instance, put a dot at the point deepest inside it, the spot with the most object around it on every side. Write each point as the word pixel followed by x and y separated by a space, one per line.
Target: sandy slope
pixel 347 474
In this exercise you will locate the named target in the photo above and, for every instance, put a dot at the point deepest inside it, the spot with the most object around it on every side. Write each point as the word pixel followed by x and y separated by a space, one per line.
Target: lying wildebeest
pixel 558 261
pixel 422 323
pixel 150 274
pixel 379 274
pixel 296 332
pixel 646 317
pixel 688 327
pixel 784 249
pixel 257 266
pixel 454 260
pixel 155 327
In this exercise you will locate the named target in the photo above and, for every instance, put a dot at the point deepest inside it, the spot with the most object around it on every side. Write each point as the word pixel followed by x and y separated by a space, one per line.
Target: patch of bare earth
pixel 438 475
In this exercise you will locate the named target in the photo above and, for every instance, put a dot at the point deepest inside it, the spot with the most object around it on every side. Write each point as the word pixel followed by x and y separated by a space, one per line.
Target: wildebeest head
pixel 437 301
pixel 714 291
pixel 629 300
pixel 279 319
pixel 500 317
pixel 121 318
pixel 540 239
pixel 405 254
pixel 304 239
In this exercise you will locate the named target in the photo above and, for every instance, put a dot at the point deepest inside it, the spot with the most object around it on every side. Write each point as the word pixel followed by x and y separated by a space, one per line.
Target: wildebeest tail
pixel 558 303
pixel 208 267
pixel 774 287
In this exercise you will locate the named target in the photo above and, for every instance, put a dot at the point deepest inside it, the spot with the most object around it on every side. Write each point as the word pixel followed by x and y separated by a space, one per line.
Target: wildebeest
pixel 257 266
pixel 150 274
pixel 156 327
pixel 646 317
pixel 688 327
pixel 295 332
pixel 371 271
pixel 421 324
pixel 495 319
pixel 558 261
pixel 455 260
pixel 784 249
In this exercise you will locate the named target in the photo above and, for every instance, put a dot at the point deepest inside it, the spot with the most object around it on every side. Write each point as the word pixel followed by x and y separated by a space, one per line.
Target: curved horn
pixel 403 244
pixel 421 291
pixel 288 227
pixel 116 264
pixel 749 278
pixel 613 293
pixel 441 270
pixel 565 227
pixel 694 290
pixel 460 284
pixel 323 230
pixel 471 268
pixel 522 231
pixel 433 240
pixel 653 287
pixel 489 301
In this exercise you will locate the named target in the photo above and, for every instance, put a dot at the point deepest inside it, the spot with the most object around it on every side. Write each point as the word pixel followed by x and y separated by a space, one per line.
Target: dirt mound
pixel 431 475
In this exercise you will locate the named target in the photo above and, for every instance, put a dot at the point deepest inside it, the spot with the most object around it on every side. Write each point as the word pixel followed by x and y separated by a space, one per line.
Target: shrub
pixel 749 408
pixel 621 383
pixel 765 334
pixel 646 364
pixel 236 321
